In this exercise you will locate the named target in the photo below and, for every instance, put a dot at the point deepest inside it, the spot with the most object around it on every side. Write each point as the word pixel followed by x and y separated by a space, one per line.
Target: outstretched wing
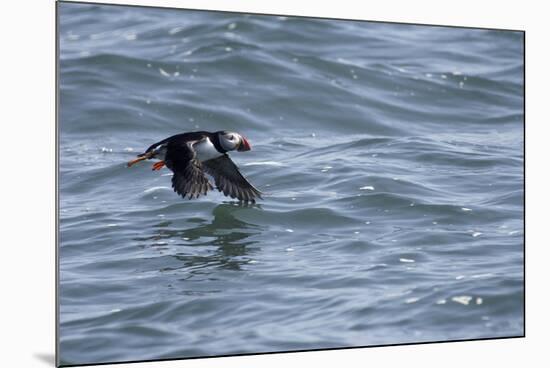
pixel 189 179
pixel 229 179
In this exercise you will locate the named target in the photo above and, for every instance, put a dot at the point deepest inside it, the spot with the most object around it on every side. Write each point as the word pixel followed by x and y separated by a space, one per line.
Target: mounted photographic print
pixel 234 183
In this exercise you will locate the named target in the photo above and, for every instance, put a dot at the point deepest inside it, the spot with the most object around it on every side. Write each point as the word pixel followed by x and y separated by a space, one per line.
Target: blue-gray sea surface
pixel 391 158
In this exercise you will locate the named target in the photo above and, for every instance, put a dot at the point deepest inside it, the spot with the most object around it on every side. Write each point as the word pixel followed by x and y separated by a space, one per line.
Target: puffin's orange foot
pixel 158 165
pixel 141 158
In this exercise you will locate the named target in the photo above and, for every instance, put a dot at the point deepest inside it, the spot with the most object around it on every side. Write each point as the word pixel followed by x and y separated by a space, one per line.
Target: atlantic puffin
pixel 192 155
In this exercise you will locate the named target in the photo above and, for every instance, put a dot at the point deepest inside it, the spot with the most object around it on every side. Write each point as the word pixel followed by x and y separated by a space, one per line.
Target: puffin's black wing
pixel 188 179
pixel 229 179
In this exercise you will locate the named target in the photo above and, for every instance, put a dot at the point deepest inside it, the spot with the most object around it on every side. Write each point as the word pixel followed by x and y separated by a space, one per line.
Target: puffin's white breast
pixel 206 150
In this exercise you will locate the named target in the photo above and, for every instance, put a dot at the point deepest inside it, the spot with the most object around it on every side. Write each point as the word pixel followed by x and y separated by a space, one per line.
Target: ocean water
pixel 390 155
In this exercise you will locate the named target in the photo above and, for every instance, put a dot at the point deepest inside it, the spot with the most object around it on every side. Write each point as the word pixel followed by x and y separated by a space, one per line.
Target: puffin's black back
pixel 183 138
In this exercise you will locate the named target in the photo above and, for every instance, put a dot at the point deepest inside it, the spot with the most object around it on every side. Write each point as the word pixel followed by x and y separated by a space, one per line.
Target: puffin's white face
pixel 231 141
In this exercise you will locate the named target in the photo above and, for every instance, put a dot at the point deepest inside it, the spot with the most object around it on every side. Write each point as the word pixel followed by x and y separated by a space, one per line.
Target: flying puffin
pixel 192 155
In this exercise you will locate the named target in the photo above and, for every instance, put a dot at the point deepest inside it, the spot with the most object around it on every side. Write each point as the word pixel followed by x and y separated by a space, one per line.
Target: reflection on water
pixel 223 242
pixel 226 229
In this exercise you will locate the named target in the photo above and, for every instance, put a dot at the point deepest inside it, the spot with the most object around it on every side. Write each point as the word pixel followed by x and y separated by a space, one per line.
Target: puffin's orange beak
pixel 244 146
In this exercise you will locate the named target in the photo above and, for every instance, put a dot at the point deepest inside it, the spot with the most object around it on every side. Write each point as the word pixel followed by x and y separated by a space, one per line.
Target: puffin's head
pixel 231 141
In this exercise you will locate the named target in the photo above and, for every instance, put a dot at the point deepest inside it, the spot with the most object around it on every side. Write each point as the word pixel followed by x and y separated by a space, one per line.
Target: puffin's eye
pixel 231 136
